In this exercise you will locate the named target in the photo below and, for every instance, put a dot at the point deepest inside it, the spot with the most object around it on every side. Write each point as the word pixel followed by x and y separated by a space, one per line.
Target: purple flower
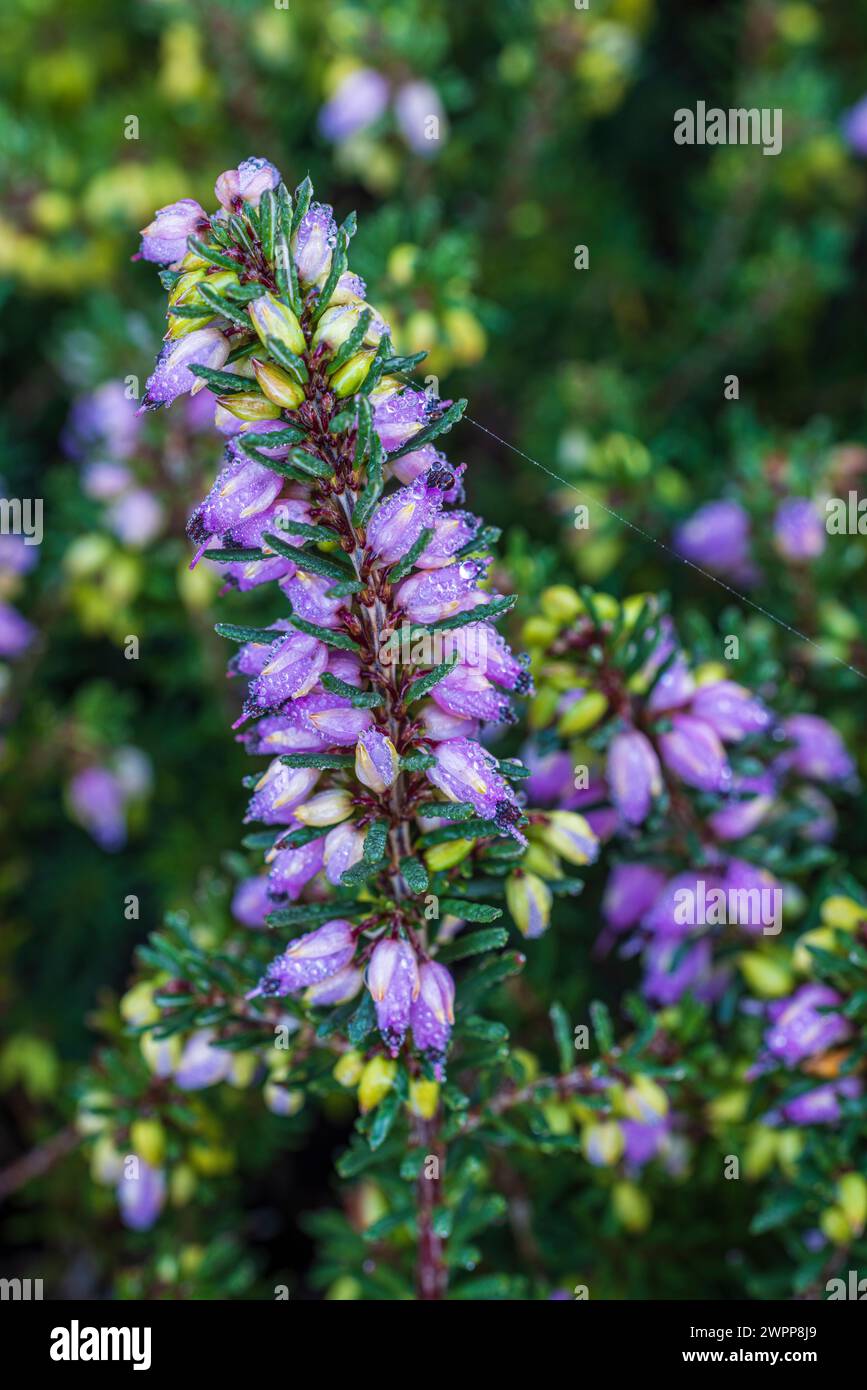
pixel 290 870
pixel 243 491
pixel 376 760
pixel 670 972
pixel 250 902
pixel 467 691
pixel 634 775
pixel 551 776
pixel 673 688
pixel 675 910
pixel 802 1025
pixel 642 1141
pixel 731 710
pixel 103 480
pixel 360 100
pixel 308 595
pixel 431 595
pixel 393 981
pixel 309 959
pixel 855 127
pixel 420 116
pixel 452 531
pixel 247 183
pixel 205 347
pixel 397 418
pixel 717 537
pixel 432 1014
pixel 141 1196
pixel 104 419
pixel 466 772
pixel 440 725
pixel 136 517
pixel 97 803
pixel 293 667
pixel 16 634
pixel 481 644
pixel 821 1106
pixel 693 752
pixel 337 989
pixel 799 530
pixel 753 897
pixel 165 239
pixel 397 523
pixel 279 791
pixel 741 814
pixel 630 892
pixel 314 242
pixel 344 846
pixel 201 1063
pixel 819 752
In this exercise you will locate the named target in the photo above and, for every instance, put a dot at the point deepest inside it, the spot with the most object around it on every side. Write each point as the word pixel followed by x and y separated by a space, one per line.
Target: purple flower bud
pixel 288 732
pixel 397 418
pixel 16 634
pixel 452 531
pixel 799 530
pixel 360 100
pixel 136 518
pixel 102 480
pixel 495 656
pixel 440 725
pixel 694 753
pixel 741 814
pixel 307 594
pixel 314 242
pixel 466 772
pixel 309 959
pixel 630 892
pixel 242 492
pixel 338 722
pixel 670 972
pixel 855 127
pixel 821 1106
pixel 397 523
pixel 376 761
pixel 201 1063
pixel 674 687
pixel 731 710
pixel 819 752
pixel 822 825
pixel 165 239
pixel 432 1015
pixel 634 775
pixel 551 775
pixel 717 537
pixel 344 846
pixel 104 419
pixel 294 665
pixel 393 981
pixel 205 347
pixel 250 902
pixel 290 870
pixel 642 1141
pixel 679 905
pixel 802 1026
pixel 279 790
pixel 338 989
pixel 466 691
pixel 421 117
pixel 247 183
pixel 141 1197
pixel 754 898
pixel 431 595
pixel 97 803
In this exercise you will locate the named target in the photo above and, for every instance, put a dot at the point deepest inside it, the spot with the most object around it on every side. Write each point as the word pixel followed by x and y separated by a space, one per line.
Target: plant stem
pixel 431 1272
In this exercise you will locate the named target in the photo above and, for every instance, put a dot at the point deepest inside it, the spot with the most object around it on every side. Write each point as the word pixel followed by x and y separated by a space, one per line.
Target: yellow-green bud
pixel 447 855
pixel 326 808
pixel 603 1143
pixel 583 713
pixel 377 1080
pixel 835 1226
pixel 137 1006
pixel 345 1289
pixel 561 604
pixel 249 405
pixel 631 1207
pixel 211 1160
pixel 182 1184
pixel 529 901
pixel 842 912
pixel 278 385
pixel 180 327
pixel 183 289
pixel 348 1068
pixel 423 1098
pixel 148 1140
pixel 644 1100
pixel 558 1117
pixel 538 632
pixel 88 1121
pixel 767 976
pixel 570 836
pixel 347 379
pixel 243 1070
pixel 272 319
pixel 852 1196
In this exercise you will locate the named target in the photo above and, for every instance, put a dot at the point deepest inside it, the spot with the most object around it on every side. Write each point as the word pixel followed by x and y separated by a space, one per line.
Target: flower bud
pixel 569 835
pixel 529 901
pixel 767 977
pixel 347 379
pixel 348 1068
pixel 376 760
pixel 603 1143
pixel 377 1080
pixel 148 1139
pixel 249 405
pixel 273 319
pixel 182 1184
pixel 561 604
pixel 631 1206
pixel 326 808
pixel 852 1197
pixel 424 1098
pixel 446 856
pixel 586 710
pixel 835 1226
pixel 278 385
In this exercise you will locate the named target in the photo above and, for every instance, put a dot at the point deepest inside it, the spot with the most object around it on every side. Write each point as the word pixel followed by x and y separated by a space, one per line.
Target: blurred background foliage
pixel 608 382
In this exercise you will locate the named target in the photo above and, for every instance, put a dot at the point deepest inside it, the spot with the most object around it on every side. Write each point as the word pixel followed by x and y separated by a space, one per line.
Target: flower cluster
pixel 368 693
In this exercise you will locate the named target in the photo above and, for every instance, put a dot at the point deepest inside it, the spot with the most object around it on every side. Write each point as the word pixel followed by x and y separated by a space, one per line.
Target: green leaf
pixel 352 344
pixel 363 1021
pixel 244 294
pixel 294 365
pixel 211 254
pixel 415 874
pixel 309 463
pixel 275 440
pixel 224 382
pixel 515 771
pixel 361 872
pixel 423 684
pixel 339 262
pixel 268 218
pixel 303 195
pixel 483 540
pixel 361 699
pixel 482 614
pixel 364 426
pixel 307 560
pixel 417 762
pixel 384 1117
pixel 446 810
pixel 470 910
pixel 404 566
pixel 394 366
pixel 234 633
pixel 446 420
pixel 325 634
pixel 335 761
pixel 602 1025
pixel 375 841
pixel 237 556
pixel 562 1036
pixel 304 836
pixel 310 533
pixel 313 914
pixel 222 305
pixel 348 586
pixel 473 944
pixel 373 488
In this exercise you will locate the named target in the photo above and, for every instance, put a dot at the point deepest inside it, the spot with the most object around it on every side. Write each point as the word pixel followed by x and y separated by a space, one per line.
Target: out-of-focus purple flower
pixel 393 981
pixel 360 100
pixel 279 790
pixel 432 1014
pixel 104 480
pixel 201 1063
pixel 136 517
pixel 855 127
pixel 822 1105
pixel 802 1024
pixel 675 911
pixel 205 347
pixel 344 847
pixel 16 634
pixel 717 537
pixel 693 752
pixel 731 710
pixel 818 752
pixel 741 814
pixel 165 239
pixel 251 903
pixel 673 688
pixel 466 772
pixel 431 595
pixel 551 775
pixel 141 1196
pixel 309 959
pixel 821 828
pixel 670 972
pixel 642 1141
pixel 104 419
pixel 634 775
pixel 397 523
pixel 754 898
pixel 314 242
pixel 247 183
pixel 799 530
pixel 97 803
pixel 630 892
pixel 376 760
pixel 290 870
pixel 421 117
